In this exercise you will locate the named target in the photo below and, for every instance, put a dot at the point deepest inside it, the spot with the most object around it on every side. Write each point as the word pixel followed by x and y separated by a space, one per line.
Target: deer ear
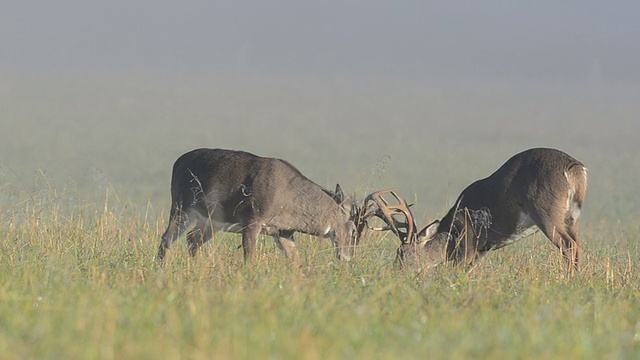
pixel 428 232
pixel 338 195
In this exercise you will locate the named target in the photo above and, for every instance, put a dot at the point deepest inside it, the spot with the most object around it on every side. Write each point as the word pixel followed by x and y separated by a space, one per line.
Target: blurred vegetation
pixel 85 163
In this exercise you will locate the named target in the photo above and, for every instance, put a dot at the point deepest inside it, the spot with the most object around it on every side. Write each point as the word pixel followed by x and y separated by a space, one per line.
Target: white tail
pixel 541 187
pixel 235 191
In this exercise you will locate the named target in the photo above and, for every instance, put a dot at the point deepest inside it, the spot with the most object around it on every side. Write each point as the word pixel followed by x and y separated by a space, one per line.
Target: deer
pixel 538 188
pixel 238 192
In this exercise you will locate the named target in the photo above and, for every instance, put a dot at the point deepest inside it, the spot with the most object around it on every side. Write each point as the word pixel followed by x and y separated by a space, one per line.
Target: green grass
pixel 84 193
pixel 84 284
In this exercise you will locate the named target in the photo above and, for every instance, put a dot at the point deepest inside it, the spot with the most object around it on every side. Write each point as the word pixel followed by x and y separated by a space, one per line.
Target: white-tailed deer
pixel 235 191
pixel 541 187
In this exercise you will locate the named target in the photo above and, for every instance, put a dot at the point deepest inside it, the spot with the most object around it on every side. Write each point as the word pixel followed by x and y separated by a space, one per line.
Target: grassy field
pixel 84 197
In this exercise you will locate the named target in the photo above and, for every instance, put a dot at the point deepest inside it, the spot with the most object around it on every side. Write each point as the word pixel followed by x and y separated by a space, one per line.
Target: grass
pixel 84 284
pixel 84 188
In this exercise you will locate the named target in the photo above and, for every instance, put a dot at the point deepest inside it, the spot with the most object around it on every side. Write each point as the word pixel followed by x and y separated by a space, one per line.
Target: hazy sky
pixel 572 41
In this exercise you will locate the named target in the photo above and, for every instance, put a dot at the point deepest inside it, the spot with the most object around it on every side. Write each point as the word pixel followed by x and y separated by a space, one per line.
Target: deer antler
pixel 376 205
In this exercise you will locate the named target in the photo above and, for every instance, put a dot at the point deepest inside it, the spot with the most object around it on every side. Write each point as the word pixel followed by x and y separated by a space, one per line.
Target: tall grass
pixel 81 282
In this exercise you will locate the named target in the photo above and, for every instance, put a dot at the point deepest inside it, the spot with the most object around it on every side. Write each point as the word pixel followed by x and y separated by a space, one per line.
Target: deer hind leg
pixel 178 222
pixel 572 230
pixel 563 233
pixel 286 243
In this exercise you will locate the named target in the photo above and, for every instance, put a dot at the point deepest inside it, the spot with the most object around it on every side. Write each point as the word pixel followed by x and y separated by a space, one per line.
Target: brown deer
pixel 541 187
pixel 235 191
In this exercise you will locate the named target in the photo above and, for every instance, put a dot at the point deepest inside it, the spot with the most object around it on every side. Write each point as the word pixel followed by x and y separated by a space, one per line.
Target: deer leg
pixel 178 223
pixel 199 235
pixel 474 263
pixel 465 248
pixel 249 240
pixel 572 230
pixel 565 238
pixel 287 244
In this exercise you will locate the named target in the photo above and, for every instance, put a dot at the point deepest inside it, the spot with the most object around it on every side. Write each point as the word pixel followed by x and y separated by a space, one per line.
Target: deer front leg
pixel 249 240
pixel 286 243
pixel 199 235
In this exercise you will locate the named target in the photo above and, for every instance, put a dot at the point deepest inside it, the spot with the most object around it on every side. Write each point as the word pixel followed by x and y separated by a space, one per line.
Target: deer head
pixel 417 249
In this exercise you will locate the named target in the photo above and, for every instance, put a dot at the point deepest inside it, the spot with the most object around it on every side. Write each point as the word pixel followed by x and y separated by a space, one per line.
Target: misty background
pixel 417 95
pixel 582 42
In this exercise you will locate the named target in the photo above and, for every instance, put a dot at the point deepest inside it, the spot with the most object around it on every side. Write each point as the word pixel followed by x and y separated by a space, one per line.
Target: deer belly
pixel 220 224
pixel 524 227
pixel 227 227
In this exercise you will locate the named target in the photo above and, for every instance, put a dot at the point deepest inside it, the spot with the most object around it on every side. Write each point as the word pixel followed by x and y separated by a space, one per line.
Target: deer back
pixel 239 187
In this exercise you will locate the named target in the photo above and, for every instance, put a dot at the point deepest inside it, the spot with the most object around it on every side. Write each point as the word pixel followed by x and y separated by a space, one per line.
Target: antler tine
pixel 405 230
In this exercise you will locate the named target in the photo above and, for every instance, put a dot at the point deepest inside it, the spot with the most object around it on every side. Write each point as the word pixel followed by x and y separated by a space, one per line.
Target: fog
pixel 436 93
pixel 570 41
